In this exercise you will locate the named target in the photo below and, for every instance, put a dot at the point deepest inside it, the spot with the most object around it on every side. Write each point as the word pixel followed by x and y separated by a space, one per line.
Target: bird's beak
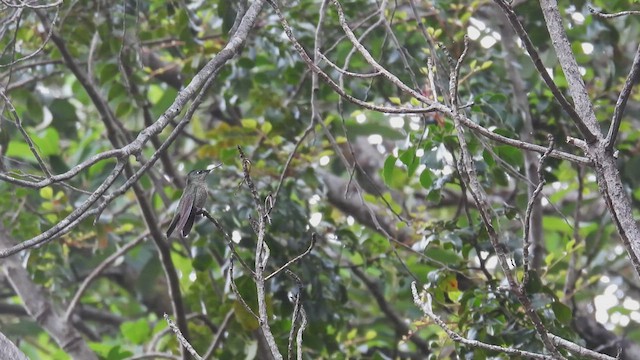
pixel 215 167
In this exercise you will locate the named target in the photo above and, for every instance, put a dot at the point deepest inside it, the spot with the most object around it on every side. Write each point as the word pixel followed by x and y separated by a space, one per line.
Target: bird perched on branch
pixel 191 203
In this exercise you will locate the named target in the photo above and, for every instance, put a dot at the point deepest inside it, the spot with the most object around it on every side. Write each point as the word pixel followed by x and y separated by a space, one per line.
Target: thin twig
pixel 103 265
pixel 262 256
pixel 603 15
pixel 469 174
pixel 26 136
pixel 285 266
pixel 44 43
pixel 234 287
pixel 436 107
pixel 526 240
pixel 621 103
pixel 298 312
pixel 346 72
pixel 222 329
pixel 230 242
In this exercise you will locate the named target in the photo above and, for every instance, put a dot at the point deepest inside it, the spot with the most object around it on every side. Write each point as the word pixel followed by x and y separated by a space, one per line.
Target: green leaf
pixel 562 312
pixel 266 127
pixel 249 123
pixel 117 90
pixel 46 193
pixel 534 285
pixel 202 261
pixel 123 109
pixel 244 317
pixel 354 129
pixel 409 158
pixel 108 72
pixel 426 178
pixel 488 158
pixel 388 169
pixel 138 332
pixel 20 150
pixel 510 154
pixel 442 255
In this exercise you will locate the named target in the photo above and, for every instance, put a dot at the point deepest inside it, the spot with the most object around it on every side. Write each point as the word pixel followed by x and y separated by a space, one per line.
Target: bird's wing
pixel 196 209
pixel 185 208
pixel 173 224
pixel 191 219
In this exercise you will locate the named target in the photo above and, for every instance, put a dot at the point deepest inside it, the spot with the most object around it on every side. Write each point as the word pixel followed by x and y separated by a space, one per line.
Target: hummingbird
pixel 191 203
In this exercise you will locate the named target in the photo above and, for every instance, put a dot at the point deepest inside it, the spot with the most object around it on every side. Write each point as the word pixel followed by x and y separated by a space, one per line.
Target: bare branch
pixel 526 236
pixel 285 266
pixel 219 335
pixel 621 103
pixel 262 257
pixel 235 290
pixel 26 136
pixel 80 213
pixel 588 123
pixel 46 40
pixel 299 316
pixel 348 73
pixel 470 176
pixel 230 242
pixel 603 15
pixel 181 338
pixel 537 62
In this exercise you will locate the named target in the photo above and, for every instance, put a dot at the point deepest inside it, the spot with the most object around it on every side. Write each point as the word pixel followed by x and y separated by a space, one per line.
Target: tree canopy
pixel 397 179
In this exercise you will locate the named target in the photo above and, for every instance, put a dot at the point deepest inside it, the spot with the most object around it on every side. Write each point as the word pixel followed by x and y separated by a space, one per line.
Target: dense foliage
pixel 384 195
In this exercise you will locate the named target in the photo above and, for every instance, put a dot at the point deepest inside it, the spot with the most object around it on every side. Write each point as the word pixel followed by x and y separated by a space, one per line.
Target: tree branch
pixel 537 62
pixel 621 103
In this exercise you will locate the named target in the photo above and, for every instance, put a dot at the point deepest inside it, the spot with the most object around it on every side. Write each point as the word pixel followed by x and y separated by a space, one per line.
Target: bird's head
pixel 199 174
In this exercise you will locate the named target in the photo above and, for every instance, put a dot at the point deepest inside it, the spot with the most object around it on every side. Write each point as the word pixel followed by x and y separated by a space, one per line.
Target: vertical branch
pixel 262 256
pixel 533 200
pixel 588 124
pixel 521 106
pixel 621 103
pixel 468 173
pixel 299 316
pixel 546 77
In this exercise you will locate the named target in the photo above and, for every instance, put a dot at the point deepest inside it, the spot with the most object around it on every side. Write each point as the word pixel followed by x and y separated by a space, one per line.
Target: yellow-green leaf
pixel 266 127
pixel 46 193
pixel 395 100
pixel 249 123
